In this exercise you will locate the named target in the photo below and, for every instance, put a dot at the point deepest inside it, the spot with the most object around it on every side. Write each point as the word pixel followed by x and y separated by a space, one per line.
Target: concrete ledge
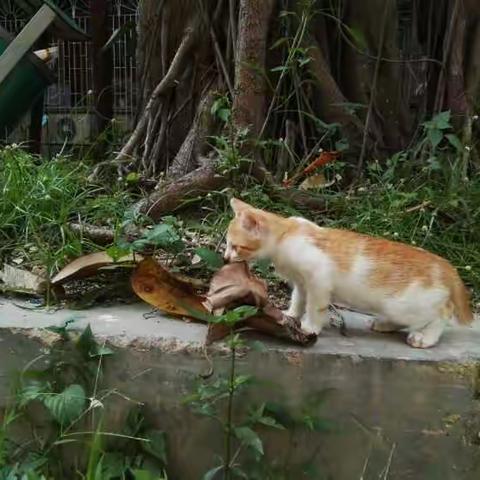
pixel 415 410
pixel 126 324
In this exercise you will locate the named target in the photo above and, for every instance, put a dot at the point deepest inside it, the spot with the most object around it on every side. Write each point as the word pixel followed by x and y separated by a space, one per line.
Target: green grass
pixel 40 198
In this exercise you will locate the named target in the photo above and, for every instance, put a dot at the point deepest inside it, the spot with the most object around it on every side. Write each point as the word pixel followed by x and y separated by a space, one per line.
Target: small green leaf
pixel 102 351
pixel 114 466
pixel 280 68
pixel 239 473
pixel 435 136
pixel 217 104
pixel 304 61
pixel 132 177
pixel 242 380
pixel 249 438
pixel 286 13
pixel 434 164
pixel 342 145
pixel 66 406
pixel 88 346
pixel 33 391
pixel 455 142
pixel 212 259
pixel 244 312
pixel 316 424
pixel 139 474
pixel 116 252
pixel 139 244
pixel 442 120
pixel 270 422
pixel 86 343
pixel 280 414
pixel 164 236
pixel 224 114
pixel 210 475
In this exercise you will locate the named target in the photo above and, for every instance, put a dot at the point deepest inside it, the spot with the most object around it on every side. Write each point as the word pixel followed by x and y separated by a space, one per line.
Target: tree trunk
pixel 250 88
pixel 355 76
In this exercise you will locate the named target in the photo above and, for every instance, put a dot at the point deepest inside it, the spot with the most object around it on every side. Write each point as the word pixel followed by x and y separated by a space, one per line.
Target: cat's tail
pixel 460 298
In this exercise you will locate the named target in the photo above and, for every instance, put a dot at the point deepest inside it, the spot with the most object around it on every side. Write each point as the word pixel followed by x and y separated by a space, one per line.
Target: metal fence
pixel 69 100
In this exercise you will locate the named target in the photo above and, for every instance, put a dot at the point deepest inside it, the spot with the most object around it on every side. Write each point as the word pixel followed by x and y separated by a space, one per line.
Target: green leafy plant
pixel 206 400
pixel 229 144
pixel 216 400
pixel 164 236
pixel 212 259
pixel 68 389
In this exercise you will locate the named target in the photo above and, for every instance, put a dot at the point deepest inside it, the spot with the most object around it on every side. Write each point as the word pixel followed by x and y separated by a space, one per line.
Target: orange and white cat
pixel 404 286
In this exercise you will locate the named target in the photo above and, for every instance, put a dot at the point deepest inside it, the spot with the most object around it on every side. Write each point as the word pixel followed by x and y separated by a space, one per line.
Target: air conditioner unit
pixel 68 129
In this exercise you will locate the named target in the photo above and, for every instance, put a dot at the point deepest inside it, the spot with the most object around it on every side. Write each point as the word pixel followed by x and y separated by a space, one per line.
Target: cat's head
pixel 251 234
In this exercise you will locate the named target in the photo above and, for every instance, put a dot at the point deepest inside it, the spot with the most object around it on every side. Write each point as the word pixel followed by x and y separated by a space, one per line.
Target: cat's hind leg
pixel 428 336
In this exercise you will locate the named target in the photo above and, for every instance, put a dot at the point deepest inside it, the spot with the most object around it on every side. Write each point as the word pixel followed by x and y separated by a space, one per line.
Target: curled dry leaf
pixel 316 181
pixel 232 285
pixel 235 284
pixel 323 159
pixel 88 265
pixel 158 287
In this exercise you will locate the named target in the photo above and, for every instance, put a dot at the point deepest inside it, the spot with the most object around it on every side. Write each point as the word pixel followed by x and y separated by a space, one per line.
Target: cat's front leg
pixel 297 302
pixel 316 314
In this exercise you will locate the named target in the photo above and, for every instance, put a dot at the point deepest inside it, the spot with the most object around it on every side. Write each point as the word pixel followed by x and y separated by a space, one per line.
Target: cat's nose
pixel 226 256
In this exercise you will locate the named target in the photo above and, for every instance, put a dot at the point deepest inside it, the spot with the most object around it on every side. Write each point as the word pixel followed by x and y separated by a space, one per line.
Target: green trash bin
pixel 21 88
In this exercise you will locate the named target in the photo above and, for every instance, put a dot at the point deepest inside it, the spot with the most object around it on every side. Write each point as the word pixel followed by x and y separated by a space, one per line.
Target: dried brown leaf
pixel 232 285
pixel 89 265
pixel 158 287
pixel 235 284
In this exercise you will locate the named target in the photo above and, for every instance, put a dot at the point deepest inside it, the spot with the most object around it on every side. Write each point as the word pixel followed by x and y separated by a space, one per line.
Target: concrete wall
pixel 419 418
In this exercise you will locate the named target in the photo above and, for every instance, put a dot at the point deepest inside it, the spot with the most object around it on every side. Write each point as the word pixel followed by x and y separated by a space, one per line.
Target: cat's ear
pixel 252 222
pixel 238 206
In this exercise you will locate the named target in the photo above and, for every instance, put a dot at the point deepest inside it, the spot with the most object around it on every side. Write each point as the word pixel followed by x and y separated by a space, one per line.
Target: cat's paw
pixel 420 340
pixel 311 327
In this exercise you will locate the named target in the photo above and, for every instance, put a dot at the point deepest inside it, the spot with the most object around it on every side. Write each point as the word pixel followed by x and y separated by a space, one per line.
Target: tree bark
pixel 167 82
pixel 193 145
pixel 250 88
pixel 199 182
